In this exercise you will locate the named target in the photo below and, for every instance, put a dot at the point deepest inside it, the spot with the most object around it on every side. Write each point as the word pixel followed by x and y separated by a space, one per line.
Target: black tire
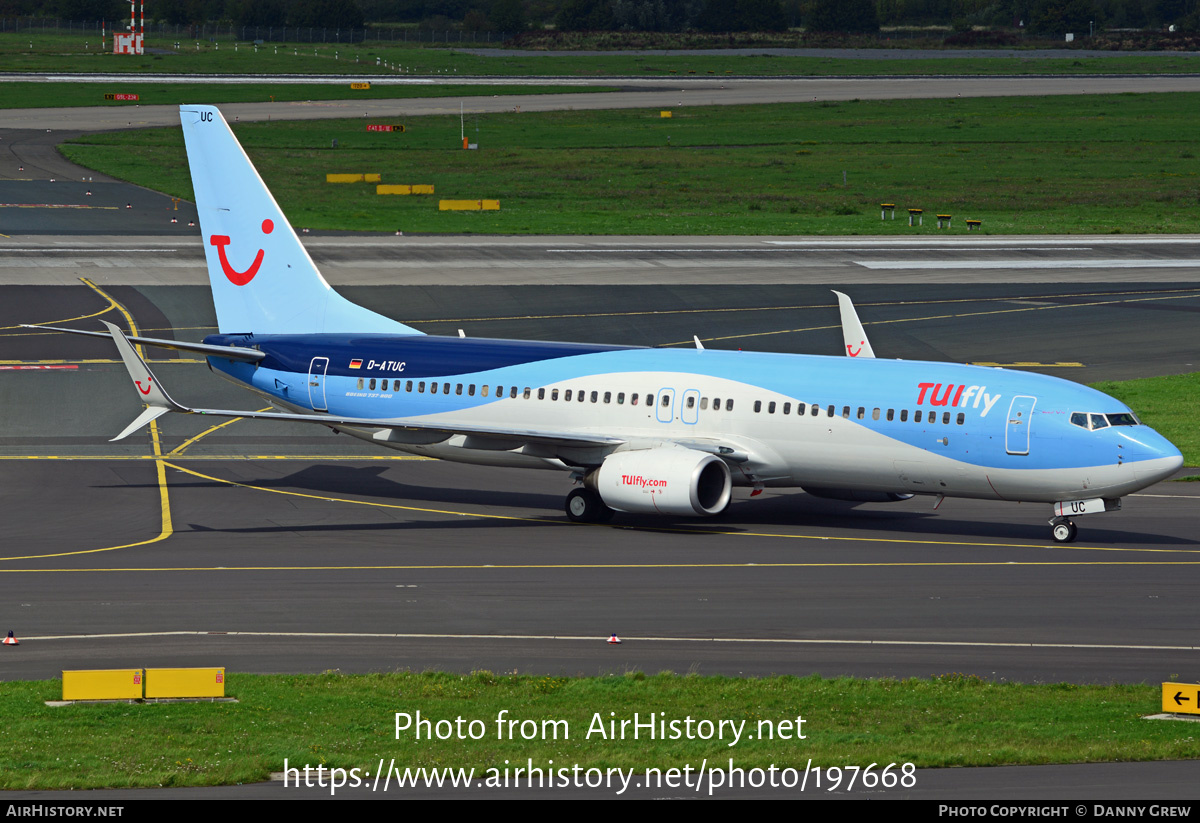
pixel 585 506
pixel 1064 532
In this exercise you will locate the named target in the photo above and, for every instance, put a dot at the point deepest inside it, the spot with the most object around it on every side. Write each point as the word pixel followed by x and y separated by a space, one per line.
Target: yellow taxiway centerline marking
pixel 173 456
pixel 735 309
pixel 164 501
pixel 178 450
pixel 575 566
pixel 939 317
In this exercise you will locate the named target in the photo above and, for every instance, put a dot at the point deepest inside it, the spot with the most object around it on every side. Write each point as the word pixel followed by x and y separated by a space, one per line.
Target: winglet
pixel 157 401
pixel 853 336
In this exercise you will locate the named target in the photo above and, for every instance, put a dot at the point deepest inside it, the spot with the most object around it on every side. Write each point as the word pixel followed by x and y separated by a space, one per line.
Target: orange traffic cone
pixel 11 640
pixel 614 640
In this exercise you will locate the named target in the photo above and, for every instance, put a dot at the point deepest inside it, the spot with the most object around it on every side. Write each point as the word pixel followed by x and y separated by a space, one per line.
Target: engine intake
pixel 664 480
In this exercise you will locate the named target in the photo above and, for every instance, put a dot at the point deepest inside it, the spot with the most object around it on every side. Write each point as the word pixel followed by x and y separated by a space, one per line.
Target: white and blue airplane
pixel 667 431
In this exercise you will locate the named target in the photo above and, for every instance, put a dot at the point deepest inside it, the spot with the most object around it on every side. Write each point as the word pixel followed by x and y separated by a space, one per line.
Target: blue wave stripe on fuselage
pixel 423 356
pixel 807 379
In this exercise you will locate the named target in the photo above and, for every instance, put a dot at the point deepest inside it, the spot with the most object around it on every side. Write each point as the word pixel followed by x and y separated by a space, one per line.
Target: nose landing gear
pixel 1063 530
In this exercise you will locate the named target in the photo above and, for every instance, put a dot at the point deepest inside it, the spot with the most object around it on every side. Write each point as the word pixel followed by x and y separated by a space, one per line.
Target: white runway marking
pixel 1028 264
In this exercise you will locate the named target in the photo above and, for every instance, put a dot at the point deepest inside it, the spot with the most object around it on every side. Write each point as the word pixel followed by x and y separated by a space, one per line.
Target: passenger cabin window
pixel 458 389
pixel 829 412
pixel 666 400
pixel 946 418
pixel 691 401
pixel 757 406
pixel 567 395
pixel 904 415
pixel 554 394
pixel 787 408
pixel 595 396
pixel 528 393
pixel 962 418
pixel 620 398
pixel 633 398
pixel 875 414
pixel 891 415
pixel 608 397
pixel 541 394
pixel 445 388
pixel 512 393
pixel 483 390
pixel 360 384
pixel 771 407
pixel 917 416
pixel 371 386
pixel 703 403
pixel 471 390
pixel 846 412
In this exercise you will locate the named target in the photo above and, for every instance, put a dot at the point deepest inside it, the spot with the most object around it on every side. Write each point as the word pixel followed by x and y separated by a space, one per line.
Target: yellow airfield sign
pixel 1181 698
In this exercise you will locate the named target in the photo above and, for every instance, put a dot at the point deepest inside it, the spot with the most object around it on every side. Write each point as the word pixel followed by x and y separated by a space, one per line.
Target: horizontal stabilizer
pixel 229 352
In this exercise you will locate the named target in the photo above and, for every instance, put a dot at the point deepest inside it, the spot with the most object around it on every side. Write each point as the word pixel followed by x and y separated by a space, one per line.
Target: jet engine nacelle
pixel 858 496
pixel 664 480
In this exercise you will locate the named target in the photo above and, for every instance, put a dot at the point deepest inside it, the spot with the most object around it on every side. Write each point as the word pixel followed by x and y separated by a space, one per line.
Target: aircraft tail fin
pixel 262 279
pixel 854 337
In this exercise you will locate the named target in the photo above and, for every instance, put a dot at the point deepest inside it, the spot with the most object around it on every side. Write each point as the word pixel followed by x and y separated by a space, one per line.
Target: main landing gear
pixel 1063 530
pixel 585 506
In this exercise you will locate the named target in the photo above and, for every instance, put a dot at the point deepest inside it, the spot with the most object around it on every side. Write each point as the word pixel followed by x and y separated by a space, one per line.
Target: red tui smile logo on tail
pixel 239 278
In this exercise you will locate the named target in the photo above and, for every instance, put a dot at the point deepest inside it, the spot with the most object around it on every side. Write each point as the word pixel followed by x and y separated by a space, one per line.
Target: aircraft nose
pixel 1158 458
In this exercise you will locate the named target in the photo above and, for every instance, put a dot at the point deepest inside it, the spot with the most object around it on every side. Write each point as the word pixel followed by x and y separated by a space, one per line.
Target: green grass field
pixel 80 53
pixel 349 722
pixel 1093 164
pixel 1171 405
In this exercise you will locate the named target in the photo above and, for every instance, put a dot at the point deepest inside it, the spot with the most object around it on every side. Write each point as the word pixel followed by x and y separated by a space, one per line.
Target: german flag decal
pixel 356 364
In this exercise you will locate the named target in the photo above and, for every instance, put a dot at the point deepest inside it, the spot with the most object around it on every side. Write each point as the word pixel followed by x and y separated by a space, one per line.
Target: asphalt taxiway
pixel 284 548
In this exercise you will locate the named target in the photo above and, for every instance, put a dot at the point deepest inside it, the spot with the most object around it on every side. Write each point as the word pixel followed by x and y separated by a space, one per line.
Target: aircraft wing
pixel 158 403
pixel 231 352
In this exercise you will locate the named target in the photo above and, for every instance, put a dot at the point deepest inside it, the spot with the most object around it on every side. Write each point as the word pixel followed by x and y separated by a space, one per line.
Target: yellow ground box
pixel 360 85
pixel 394 188
pixel 664 114
pixel 103 684
pixel 1181 698
pixel 422 189
pixel 343 178
pixel 469 205
pixel 185 683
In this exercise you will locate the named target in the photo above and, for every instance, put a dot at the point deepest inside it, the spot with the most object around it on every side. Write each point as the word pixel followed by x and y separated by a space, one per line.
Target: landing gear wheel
pixel 1064 531
pixel 585 506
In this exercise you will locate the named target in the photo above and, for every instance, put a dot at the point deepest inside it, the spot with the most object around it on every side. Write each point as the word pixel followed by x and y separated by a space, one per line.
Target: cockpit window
pixel 1123 419
pixel 1102 421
